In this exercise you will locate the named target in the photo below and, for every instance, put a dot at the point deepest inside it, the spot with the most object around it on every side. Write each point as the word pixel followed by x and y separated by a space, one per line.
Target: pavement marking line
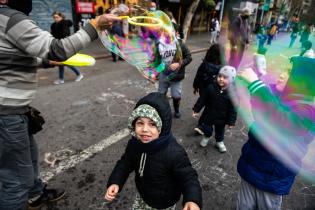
pixel 85 154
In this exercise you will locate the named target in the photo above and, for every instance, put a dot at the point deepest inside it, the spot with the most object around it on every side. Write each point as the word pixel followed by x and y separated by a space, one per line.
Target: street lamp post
pixel 221 13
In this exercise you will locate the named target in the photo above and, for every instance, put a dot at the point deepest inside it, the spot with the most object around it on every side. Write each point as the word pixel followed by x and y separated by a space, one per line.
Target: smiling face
pixel 223 81
pixel 146 130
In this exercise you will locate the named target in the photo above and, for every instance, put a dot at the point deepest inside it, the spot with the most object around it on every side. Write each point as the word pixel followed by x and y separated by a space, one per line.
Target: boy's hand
pixel 111 192
pixel 195 115
pixel 248 74
pixel 104 21
pixel 195 91
pixel 174 66
pixel 191 206
pixel 230 126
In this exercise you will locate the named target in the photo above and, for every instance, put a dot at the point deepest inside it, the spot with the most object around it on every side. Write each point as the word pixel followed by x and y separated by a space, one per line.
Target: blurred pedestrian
pixel 117 30
pixel 25 47
pixel 214 30
pixel 61 29
pixel 295 30
pixel 239 37
pixel 163 171
pixel 305 34
pixel 271 33
pixel 218 110
pixel 307 50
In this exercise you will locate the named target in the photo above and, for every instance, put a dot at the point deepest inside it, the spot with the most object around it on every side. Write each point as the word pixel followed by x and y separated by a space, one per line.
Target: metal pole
pixel 221 13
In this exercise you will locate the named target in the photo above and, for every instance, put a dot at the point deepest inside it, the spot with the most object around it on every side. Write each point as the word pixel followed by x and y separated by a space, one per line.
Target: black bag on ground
pixel 36 121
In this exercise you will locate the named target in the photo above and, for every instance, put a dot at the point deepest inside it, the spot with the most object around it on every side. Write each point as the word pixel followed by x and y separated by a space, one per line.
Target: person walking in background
pixel 271 33
pixel 206 74
pixel 61 29
pixel 305 34
pixel 295 30
pixel 219 110
pixel 239 37
pixel 117 30
pixel 214 30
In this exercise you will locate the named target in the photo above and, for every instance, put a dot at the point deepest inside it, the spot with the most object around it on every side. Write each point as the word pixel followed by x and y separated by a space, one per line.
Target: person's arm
pixel 187 177
pixel 186 55
pixel 201 102
pixel 232 115
pixel 293 116
pixel 198 77
pixel 69 23
pixel 122 169
pixel 28 37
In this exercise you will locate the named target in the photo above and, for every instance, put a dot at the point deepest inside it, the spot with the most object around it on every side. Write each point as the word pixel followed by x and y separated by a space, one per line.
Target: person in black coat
pixel 61 29
pixel 219 110
pixel 163 171
pixel 206 74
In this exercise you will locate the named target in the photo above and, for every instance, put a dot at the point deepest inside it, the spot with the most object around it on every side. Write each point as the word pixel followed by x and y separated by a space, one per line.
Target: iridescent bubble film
pixel 282 115
pixel 143 32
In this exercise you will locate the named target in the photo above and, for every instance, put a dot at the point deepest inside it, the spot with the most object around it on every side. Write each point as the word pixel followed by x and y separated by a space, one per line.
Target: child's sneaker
pixel 79 78
pixel 59 82
pixel 198 130
pixel 220 146
pixel 204 142
pixel 48 195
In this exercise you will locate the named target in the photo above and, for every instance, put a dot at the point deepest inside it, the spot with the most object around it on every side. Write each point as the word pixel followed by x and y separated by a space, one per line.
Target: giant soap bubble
pixel 284 121
pixel 143 31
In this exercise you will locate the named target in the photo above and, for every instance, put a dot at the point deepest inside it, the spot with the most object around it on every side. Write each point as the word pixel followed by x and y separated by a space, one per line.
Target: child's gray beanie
pixel 228 71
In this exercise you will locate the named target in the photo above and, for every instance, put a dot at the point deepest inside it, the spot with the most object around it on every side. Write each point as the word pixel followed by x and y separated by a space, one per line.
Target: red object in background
pixel 85 7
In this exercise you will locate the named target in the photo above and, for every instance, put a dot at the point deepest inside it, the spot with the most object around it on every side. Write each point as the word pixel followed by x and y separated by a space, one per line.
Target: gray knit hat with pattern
pixel 146 111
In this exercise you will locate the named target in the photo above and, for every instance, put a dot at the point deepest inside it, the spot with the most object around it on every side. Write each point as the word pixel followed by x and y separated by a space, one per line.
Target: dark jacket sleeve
pixel 201 102
pixel 122 169
pixel 232 115
pixel 69 23
pixel 187 177
pixel 232 107
pixel 198 77
pixel 186 55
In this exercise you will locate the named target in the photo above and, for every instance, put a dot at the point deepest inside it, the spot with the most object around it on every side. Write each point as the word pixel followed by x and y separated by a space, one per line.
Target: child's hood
pixel 159 102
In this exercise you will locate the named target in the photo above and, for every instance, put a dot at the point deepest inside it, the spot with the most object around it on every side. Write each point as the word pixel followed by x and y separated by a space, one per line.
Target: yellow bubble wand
pixel 135 21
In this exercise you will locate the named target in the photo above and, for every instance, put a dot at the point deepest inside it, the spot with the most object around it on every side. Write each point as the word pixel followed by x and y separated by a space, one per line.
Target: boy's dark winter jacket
pixel 218 109
pixel 205 75
pixel 168 173
pixel 180 75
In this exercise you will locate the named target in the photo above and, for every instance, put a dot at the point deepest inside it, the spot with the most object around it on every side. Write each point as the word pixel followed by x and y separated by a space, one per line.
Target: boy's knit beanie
pixel 146 111
pixel 228 71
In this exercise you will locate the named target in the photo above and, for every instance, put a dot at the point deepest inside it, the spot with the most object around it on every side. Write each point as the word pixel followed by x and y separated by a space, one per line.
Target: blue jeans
pixel 19 174
pixel 62 71
pixel 219 131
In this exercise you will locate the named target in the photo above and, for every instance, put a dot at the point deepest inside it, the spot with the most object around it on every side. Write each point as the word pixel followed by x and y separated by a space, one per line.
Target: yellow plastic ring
pixel 133 21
